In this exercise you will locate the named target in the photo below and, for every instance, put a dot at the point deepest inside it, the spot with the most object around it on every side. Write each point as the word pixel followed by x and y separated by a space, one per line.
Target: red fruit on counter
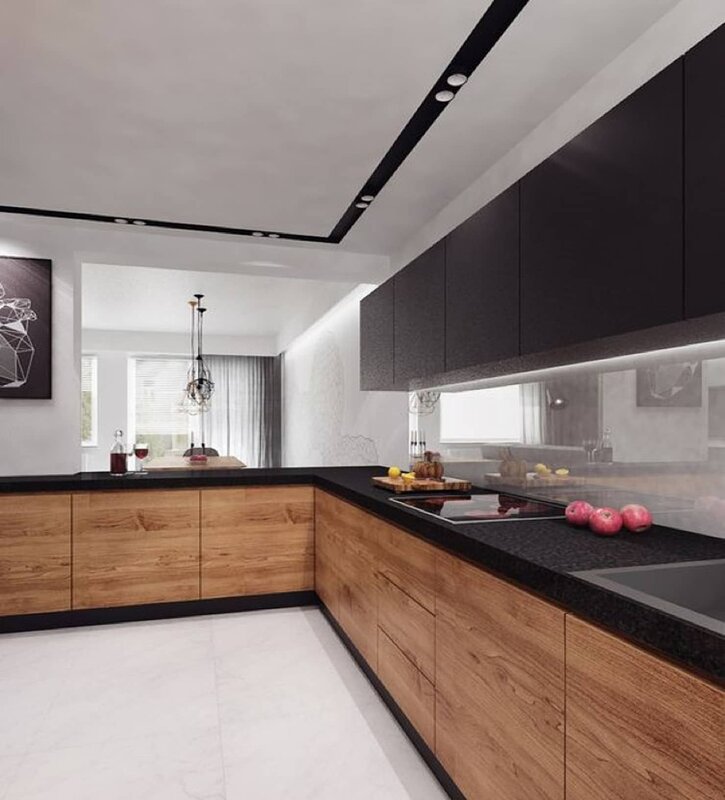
pixel 578 512
pixel 605 521
pixel 636 518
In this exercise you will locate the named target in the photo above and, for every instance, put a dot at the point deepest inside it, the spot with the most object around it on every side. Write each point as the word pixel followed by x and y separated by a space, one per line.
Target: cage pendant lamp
pixel 199 383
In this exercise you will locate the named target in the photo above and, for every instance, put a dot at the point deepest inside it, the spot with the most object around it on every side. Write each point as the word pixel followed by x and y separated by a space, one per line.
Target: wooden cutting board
pixel 532 480
pixel 398 485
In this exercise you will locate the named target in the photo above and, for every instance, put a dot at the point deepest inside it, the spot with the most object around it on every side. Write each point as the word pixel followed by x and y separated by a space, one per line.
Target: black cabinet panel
pixel 377 337
pixel 601 224
pixel 482 285
pixel 705 176
pixel 420 315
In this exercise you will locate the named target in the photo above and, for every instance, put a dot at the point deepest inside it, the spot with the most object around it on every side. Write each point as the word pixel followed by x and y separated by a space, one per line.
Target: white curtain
pixel 244 419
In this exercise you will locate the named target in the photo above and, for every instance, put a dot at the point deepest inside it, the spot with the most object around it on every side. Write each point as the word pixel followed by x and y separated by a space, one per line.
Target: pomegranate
pixel 605 521
pixel 636 518
pixel 578 512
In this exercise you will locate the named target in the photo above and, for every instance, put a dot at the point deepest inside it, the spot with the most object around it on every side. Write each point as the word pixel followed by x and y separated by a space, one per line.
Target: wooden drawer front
pixel 257 540
pixel 408 562
pixel 35 553
pixel 328 552
pixel 499 686
pixel 410 689
pixel 134 547
pixel 355 538
pixel 637 726
pixel 409 625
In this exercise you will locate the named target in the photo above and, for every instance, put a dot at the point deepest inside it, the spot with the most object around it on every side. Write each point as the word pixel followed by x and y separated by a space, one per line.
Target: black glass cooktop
pixel 484 507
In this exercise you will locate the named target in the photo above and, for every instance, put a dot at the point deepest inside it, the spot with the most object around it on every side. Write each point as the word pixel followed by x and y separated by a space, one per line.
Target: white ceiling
pixel 272 113
pixel 146 299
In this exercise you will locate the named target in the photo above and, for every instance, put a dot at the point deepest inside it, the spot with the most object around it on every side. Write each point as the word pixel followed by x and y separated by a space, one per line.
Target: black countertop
pixel 538 554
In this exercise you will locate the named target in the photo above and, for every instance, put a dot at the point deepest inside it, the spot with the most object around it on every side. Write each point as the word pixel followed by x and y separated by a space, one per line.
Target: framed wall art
pixel 25 328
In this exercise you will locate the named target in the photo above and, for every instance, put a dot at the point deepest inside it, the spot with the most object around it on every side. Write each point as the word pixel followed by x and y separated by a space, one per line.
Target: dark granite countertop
pixel 538 554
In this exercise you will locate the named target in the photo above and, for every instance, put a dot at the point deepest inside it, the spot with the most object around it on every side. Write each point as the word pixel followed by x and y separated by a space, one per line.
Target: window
pixel 482 415
pixel 156 388
pixel 89 401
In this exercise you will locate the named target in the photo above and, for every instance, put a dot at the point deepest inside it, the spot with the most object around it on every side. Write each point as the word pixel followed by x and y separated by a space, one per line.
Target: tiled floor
pixel 257 706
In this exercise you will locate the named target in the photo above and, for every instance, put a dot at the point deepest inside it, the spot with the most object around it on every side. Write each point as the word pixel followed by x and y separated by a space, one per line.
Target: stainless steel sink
pixel 692 590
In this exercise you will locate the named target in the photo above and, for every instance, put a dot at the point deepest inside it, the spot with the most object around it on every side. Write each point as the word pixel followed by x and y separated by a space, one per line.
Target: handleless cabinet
pixel 257 540
pixel 705 176
pixel 499 686
pixel 35 553
pixel 135 547
pixel 377 338
pixel 482 285
pixel 636 725
pixel 420 316
pixel 601 224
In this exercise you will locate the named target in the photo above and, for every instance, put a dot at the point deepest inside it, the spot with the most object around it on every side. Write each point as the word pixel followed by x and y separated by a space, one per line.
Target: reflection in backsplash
pixel 653 434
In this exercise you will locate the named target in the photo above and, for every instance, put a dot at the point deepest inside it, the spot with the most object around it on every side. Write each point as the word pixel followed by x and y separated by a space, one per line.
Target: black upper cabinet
pixel 705 176
pixel 482 285
pixel 601 224
pixel 420 316
pixel 377 338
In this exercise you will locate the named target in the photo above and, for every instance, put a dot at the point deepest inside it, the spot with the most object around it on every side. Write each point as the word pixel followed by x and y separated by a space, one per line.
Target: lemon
pixel 542 469
pixel 394 472
pixel 562 472
pixel 409 477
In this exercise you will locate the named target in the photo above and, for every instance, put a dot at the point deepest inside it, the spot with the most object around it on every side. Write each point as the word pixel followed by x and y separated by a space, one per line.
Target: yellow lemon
pixel 394 472
pixel 562 472
pixel 542 469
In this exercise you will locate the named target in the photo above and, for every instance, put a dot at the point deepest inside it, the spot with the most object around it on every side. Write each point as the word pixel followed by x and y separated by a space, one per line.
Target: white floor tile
pixel 252 706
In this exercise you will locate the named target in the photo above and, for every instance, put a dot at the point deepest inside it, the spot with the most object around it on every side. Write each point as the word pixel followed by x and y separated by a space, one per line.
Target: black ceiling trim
pixel 490 28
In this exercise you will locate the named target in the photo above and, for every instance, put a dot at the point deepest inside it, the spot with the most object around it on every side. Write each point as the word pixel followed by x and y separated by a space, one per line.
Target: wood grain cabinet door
pixel 408 562
pixel 257 540
pixel 637 726
pixel 357 600
pixel 328 553
pixel 134 547
pixel 499 686
pixel 35 553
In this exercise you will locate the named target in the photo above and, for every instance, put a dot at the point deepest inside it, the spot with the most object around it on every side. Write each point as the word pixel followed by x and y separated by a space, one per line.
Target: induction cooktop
pixel 483 507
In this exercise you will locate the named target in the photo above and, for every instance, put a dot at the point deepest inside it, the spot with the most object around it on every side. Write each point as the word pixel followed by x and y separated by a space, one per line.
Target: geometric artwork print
pixel 25 328
pixel 16 345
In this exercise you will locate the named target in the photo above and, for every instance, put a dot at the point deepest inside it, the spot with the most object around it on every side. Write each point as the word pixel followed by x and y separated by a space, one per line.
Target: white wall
pixel 327 420
pixel 674 34
pixel 42 436
pixel 175 343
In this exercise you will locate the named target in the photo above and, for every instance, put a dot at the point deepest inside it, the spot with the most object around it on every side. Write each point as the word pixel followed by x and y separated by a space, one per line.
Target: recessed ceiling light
pixel 368 198
pixel 257 233
pixel 457 79
pixel 138 222
pixel 273 236
pixel 444 96
pixel 361 205
pixel 121 221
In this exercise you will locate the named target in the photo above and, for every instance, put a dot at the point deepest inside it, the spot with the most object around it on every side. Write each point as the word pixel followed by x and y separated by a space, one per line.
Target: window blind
pixel 159 388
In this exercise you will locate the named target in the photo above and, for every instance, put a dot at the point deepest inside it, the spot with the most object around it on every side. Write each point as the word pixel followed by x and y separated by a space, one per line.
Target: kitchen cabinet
pixel 420 316
pixel 636 725
pixel 499 686
pixel 408 562
pixel 601 224
pixel 377 342
pixel 35 553
pixel 704 175
pixel 257 540
pixel 408 686
pixel 482 285
pixel 348 535
pixel 134 547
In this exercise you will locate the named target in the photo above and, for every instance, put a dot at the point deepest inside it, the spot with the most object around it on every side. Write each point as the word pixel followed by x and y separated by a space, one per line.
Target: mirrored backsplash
pixel 653 433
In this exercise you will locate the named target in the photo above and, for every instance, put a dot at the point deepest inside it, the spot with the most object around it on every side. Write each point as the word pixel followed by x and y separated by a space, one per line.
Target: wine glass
pixel 589 445
pixel 141 451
